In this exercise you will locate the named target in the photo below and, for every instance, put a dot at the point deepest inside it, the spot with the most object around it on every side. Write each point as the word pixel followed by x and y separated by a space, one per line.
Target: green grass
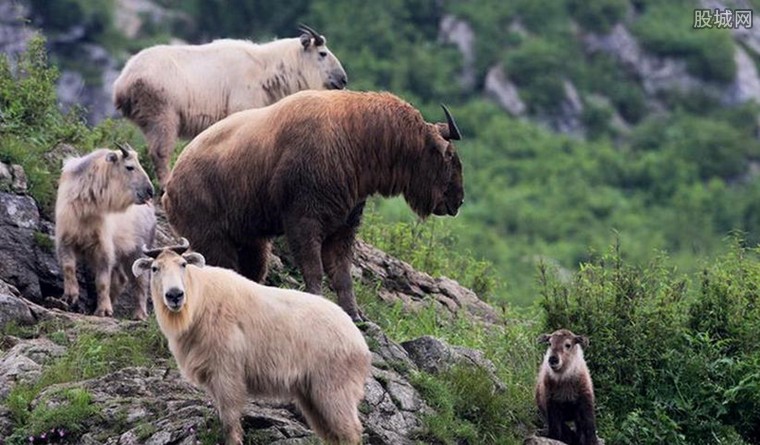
pixel 467 407
pixel 89 356
pixel 68 409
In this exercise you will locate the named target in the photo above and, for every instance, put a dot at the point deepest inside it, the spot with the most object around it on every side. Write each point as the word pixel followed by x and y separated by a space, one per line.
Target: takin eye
pixel 183 265
pixel 568 345
pixel 130 167
pixel 323 54
pixel 154 269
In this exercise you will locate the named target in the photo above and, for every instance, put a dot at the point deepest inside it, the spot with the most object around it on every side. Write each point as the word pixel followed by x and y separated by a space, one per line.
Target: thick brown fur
pixel 304 167
pixel 234 338
pixel 172 91
pixel 102 218
pixel 564 391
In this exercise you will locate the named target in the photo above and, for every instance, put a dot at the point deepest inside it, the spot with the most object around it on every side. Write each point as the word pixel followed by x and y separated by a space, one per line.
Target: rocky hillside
pixel 140 398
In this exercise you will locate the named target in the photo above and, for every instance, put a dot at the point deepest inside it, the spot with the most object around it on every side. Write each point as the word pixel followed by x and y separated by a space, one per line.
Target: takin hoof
pixel 103 312
pixel 140 315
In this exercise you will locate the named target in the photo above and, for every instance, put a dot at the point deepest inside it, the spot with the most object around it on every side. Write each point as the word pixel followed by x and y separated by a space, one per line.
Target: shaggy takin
pixel 180 90
pixel 304 167
pixel 102 215
pixel 564 392
pixel 234 337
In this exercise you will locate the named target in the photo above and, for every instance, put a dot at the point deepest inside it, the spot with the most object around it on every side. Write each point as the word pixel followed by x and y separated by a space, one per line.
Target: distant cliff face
pixel 652 67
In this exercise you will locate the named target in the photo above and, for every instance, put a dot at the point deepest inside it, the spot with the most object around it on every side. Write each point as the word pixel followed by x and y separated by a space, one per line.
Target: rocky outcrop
pixel 94 89
pixel 499 88
pixel 460 33
pixel 27 260
pixel 399 282
pixel 14 32
pixel 156 405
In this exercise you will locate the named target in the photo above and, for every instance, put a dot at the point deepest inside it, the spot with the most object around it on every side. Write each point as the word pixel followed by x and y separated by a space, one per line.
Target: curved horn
pixel 153 253
pixel 453 129
pixel 179 249
pixel 184 244
pixel 318 39
pixel 125 149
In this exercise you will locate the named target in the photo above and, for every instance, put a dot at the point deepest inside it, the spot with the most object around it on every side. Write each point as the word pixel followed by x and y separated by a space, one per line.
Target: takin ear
pixel 112 157
pixel 141 265
pixel 195 258
pixel 581 340
pixel 305 41
pixel 543 339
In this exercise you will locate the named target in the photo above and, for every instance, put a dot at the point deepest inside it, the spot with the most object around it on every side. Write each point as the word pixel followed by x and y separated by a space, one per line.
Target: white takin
pixel 234 337
pixel 172 91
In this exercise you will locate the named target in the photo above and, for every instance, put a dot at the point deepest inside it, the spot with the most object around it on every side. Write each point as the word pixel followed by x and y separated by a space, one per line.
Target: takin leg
pixel 555 420
pixel 305 241
pixel 585 423
pixel 68 259
pixel 229 398
pixel 337 254
pixel 336 407
pixel 141 297
pixel 103 266
pixel 161 134
pixel 253 259
pixel 118 282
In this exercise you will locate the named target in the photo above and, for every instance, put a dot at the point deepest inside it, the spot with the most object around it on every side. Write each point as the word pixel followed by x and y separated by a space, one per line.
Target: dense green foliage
pixel 670 364
pixel 673 336
pixel 677 180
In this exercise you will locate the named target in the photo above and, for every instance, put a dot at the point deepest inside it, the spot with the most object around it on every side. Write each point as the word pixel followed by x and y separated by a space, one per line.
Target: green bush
pixel 669 365
pixel 597 15
pixel 666 29
pixel 535 67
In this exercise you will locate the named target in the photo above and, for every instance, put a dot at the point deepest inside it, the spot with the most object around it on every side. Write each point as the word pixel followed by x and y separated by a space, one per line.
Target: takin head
pixel 126 180
pixel 564 352
pixel 438 186
pixel 321 68
pixel 168 268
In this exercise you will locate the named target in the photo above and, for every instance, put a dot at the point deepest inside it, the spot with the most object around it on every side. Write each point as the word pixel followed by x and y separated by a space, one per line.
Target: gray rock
pixel 746 85
pixel 401 282
pixel 434 356
pixel 537 440
pixel 12 307
pixel 94 91
pixel 18 219
pixel 460 33
pixel 23 363
pixel 19 179
pixel 499 88
pixel 14 32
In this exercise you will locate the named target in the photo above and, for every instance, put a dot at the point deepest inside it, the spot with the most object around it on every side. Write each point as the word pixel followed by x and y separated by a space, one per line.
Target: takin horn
pixel 453 129
pixel 125 149
pixel 179 249
pixel 318 39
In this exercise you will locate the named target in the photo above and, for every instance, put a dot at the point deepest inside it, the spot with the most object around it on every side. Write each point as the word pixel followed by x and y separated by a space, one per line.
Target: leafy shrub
pixel 668 366
pixel 535 67
pixel 32 125
pixel 666 29
pixel 597 15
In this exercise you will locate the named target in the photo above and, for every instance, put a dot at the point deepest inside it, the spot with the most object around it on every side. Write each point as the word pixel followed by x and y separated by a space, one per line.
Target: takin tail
pixel 123 102
pixel 135 95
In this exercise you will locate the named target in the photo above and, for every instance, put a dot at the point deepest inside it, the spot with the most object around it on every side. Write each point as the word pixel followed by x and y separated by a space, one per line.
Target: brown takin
pixel 304 167
pixel 564 392
pixel 234 338
pixel 102 215
pixel 172 91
